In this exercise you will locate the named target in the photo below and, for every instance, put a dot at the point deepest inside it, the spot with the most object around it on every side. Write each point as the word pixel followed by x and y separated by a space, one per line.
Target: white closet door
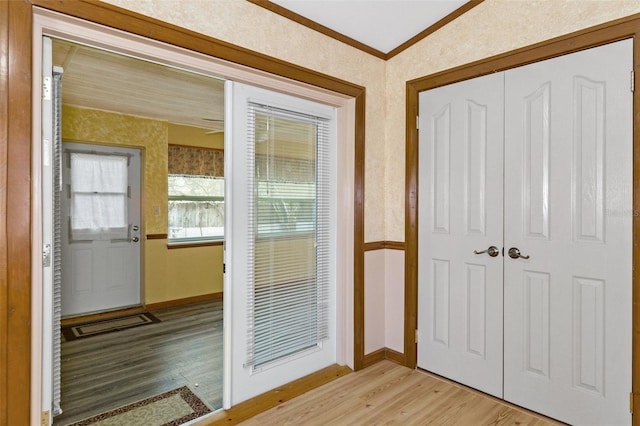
pixel 568 206
pixel 460 292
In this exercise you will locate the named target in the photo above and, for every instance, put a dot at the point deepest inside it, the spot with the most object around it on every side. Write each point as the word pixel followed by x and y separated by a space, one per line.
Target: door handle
pixel 514 253
pixel 491 251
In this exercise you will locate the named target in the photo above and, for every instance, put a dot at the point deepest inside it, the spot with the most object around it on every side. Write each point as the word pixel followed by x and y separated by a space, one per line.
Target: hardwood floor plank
pixel 103 372
pixel 389 394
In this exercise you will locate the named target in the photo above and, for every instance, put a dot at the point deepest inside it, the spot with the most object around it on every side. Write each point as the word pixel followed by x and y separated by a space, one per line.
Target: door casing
pixel 213 57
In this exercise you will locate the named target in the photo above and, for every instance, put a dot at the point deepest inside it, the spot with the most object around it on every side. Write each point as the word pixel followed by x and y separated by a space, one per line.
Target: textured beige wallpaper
pixel 250 26
pixel 493 27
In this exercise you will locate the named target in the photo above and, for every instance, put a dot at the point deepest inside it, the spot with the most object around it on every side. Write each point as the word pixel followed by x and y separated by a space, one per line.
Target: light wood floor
pixel 389 394
pixel 104 372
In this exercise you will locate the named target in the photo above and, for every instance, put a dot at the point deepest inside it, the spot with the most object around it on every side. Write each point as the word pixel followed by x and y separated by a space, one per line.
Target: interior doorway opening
pixel 346 98
pixel 112 105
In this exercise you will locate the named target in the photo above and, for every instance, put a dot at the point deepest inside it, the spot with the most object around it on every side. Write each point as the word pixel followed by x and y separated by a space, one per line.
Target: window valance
pixel 186 160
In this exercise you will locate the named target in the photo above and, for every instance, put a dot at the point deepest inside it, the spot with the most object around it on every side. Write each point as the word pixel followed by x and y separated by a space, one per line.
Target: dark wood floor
pixel 104 372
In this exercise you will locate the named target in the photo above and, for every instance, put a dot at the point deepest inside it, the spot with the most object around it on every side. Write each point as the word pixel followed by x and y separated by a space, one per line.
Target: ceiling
pixel 98 79
pixel 381 24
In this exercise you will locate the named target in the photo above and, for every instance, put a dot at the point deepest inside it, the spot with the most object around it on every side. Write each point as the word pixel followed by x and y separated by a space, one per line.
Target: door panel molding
pixel 624 28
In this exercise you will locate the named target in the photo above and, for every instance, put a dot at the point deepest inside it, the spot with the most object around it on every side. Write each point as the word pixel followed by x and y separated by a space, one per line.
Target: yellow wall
pixel 168 274
pixel 194 136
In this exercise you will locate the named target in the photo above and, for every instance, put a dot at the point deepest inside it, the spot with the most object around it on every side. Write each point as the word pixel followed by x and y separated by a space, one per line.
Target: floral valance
pixel 186 160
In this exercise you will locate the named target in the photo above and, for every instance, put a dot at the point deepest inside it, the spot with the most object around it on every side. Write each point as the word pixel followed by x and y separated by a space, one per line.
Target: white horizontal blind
pixel 289 226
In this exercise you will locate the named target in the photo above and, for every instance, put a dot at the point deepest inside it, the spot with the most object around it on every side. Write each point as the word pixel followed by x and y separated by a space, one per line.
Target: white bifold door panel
pixel 561 219
pixel 568 169
pixel 460 301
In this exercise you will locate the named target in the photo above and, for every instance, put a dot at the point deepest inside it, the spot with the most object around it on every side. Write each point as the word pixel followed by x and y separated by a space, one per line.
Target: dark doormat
pixel 95 328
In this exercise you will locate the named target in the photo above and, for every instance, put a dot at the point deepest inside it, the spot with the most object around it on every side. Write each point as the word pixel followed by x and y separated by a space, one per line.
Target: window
pixel 99 188
pixel 196 194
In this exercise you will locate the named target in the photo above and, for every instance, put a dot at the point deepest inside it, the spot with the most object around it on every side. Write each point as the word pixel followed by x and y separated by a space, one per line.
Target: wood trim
pixel 394 245
pixel 373 358
pixel 145 26
pixel 358 238
pixel 433 28
pixel 374 245
pixel 381 245
pixel 411 230
pixel 193 245
pixel 157 236
pixel 609 32
pixel 382 354
pixel 293 16
pixel 15 231
pixel 4 278
pixel 254 406
pixel 394 356
pixel 184 301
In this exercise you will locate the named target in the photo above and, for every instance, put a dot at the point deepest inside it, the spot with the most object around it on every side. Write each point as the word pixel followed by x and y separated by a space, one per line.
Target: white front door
pixel 460 294
pixel 568 207
pixel 566 251
pixel 280 156
pixel 100 228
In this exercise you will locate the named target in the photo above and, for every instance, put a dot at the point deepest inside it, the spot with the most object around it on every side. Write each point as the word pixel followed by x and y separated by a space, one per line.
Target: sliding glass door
pixel 280 245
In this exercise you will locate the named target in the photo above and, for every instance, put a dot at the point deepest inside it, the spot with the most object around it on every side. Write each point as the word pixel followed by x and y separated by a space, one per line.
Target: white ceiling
pixel 98 79
pixel 381 24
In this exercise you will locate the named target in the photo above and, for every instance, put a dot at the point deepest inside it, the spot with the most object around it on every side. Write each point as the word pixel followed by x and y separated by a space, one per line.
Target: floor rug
pixel 94 328
pixel 171 408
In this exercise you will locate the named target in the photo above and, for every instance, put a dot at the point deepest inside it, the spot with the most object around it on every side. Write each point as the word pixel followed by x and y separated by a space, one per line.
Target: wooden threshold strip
pixel 246 410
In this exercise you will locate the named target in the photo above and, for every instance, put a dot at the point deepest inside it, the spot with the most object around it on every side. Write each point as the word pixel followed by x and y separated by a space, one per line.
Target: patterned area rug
pixel 171 408
pixel 94 328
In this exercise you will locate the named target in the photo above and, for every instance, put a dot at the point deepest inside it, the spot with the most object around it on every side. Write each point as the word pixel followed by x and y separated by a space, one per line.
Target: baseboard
pixel 373 358
pixel 273 398
pixel 394 356
pixel 185 301
pixel 381 355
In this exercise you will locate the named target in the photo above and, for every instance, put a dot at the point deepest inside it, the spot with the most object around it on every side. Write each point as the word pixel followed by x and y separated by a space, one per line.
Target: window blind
pixel 288 251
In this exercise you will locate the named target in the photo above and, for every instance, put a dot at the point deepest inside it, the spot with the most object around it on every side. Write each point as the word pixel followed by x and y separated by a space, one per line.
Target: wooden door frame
pixel 16 38
pixel 628 27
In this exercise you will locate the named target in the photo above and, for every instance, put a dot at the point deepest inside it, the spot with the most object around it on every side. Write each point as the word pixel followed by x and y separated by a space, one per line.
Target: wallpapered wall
pixel 493 27
pixel 167 274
